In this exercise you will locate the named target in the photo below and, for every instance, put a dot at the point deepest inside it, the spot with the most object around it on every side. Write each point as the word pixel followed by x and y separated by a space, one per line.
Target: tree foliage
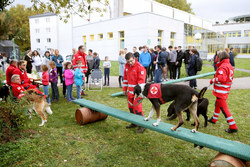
pixel 5 3
pixel 178 4
pixel 15 24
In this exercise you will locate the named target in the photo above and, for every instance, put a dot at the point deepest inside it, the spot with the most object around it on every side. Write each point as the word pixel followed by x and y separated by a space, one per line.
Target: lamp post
pixel 197 36
pixel 14 49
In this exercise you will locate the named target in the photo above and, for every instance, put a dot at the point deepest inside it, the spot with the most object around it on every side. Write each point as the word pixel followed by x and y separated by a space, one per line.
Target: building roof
pixel 43 15
pixel 239 17
pixel 7 43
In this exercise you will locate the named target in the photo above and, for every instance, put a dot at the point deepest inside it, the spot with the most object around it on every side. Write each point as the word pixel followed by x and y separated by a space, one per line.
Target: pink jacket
pixel 69 77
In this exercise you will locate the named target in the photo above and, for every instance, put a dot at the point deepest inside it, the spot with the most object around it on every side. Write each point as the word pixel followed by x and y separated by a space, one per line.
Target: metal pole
pixel 14 49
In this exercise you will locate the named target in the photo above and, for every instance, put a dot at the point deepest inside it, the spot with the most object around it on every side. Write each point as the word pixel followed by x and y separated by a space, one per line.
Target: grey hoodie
pixel 172 56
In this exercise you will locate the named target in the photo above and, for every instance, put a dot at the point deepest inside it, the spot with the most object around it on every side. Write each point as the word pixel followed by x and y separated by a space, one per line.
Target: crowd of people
pixel 50 68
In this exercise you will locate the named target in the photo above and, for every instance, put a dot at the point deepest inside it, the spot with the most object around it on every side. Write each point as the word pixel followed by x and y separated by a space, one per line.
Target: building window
pixel 121 35
pixel 38 40
pixel 172 37
pixel 247 33
pixel 36 21
pixel 84 41
pixel 92 37
pixel 240 48
pixel 159 39
pixel 37 30
pixel 110 35
pixel 100 36
pixel 47 19
pixel 48 40
pixel 47 29
pixel 232 34
pixel 38 49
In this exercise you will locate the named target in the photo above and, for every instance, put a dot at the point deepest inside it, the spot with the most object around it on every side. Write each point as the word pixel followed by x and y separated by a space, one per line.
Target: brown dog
pixel 38 103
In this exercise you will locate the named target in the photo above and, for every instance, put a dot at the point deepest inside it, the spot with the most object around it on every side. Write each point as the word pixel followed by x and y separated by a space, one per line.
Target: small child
pixel 53 80
pixel 79 78
pixel 106 66
pixel 45 81
pixel 69 80
pixel 63 78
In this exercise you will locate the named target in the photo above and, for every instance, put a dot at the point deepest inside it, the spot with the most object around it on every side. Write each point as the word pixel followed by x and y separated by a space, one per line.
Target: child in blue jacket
pixel 79 78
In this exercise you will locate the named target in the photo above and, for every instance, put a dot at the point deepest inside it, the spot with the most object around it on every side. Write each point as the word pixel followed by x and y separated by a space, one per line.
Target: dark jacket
pixel 29 63
pixel 96 63
pixel 192 65
pixel 136 54
pixel 232 59
pixel 162 59
pixel 153 56
pixel 186 56
pixel 179 58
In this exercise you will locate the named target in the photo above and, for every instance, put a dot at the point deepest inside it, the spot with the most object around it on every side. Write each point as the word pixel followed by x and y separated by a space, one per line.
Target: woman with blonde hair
pixel 122 61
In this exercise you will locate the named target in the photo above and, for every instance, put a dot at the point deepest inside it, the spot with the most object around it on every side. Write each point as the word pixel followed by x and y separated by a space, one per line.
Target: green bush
pixel 13 118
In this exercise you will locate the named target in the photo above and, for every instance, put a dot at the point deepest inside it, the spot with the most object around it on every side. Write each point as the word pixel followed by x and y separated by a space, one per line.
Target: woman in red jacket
pixel 222 85
pixel 45 81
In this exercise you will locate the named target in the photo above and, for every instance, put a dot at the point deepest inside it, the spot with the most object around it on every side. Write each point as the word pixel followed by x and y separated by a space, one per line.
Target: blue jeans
pixel 106 75
pixel 55 93
pixel 46 92
pixel 158 73
pixel 78 90
pixel 69 92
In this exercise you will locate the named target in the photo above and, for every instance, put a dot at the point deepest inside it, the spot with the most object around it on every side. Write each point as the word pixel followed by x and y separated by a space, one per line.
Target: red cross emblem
pixel 154 90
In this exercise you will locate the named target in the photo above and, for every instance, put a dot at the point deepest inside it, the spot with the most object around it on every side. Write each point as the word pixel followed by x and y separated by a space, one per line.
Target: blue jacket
pixel 55 58
pixel 145 59
pixel 192 65
pixel 78 76
pixel 231 59
pixel 162 59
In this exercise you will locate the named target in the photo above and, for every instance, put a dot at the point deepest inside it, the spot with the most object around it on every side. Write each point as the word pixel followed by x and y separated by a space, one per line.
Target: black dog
pixel 4 92
pixel 201 109
pixel 184 98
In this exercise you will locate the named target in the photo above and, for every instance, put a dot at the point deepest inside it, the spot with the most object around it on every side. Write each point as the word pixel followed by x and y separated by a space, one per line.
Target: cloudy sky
pixel 220 10
pixel 214 10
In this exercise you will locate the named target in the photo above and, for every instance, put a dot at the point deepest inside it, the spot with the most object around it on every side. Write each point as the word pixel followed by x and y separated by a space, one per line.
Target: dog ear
pixel 202 92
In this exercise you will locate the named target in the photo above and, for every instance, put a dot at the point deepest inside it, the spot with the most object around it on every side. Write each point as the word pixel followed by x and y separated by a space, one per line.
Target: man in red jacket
pixel 222 85
pixel 134 73
pixel 10 70
pixel 25 81
pixel 17 88
pixel 80 55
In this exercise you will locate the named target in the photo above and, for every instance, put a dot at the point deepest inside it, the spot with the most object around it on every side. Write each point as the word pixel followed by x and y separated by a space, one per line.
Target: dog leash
pixel 139 102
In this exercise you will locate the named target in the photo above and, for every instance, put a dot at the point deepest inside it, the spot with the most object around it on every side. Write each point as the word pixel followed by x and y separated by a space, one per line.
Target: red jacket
pixel 9 73
pixel 25 81
pixel 82 57
pixel 133 75
pixel 223 79
pixel 45 79
pixel 17 89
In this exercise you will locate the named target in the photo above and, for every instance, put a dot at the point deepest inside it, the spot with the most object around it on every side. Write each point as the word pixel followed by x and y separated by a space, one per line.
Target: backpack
pixel 198 63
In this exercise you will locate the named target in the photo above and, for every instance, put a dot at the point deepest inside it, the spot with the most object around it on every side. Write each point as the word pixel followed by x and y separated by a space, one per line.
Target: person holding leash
pixel 222 82
pixel 134 74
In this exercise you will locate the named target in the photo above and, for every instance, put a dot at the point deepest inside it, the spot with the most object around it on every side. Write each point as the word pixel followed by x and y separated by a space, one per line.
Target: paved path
pixel 238 83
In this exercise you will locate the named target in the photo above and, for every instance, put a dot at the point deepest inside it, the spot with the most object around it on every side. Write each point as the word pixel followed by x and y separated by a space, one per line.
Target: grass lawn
pixel 242 63
pixel 114 70
pixel 62 142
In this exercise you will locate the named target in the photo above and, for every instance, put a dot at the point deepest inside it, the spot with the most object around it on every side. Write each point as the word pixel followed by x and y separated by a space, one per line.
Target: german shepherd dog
pixel 183 96
pixel 38 103
pixel 201 109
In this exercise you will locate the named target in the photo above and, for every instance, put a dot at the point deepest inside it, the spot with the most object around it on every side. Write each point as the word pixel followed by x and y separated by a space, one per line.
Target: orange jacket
pixel 82 57
pixel 133 75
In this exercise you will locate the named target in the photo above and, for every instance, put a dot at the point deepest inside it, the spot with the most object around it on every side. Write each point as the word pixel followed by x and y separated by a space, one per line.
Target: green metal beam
pixel 229 147
pixel 175 81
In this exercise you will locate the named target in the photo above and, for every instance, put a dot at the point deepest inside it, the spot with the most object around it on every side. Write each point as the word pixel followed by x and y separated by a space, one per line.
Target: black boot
pixel 140 129
pixel 104 84
pixel 210 120
pixel 231 130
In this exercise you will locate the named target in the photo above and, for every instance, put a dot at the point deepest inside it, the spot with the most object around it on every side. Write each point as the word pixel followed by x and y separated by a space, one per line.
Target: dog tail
pixel 48 110
pixel 202 92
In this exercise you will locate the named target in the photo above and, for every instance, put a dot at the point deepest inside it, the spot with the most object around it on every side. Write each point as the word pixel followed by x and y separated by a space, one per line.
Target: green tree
pixel 178 4
pixel 15 24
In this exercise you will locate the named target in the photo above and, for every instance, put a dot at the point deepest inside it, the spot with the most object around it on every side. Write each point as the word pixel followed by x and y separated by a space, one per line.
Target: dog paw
pixel 146 119
pixel 41 124
pixel 193 131
pixel 155 124
pixel 172 129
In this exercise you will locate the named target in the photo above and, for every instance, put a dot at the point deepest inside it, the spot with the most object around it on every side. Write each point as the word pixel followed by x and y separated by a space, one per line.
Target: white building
pixel 237 34
pixel 47 32
pixel 126 24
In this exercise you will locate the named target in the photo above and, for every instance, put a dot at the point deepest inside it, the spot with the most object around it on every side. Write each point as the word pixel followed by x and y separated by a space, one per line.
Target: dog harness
pixel 155 92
